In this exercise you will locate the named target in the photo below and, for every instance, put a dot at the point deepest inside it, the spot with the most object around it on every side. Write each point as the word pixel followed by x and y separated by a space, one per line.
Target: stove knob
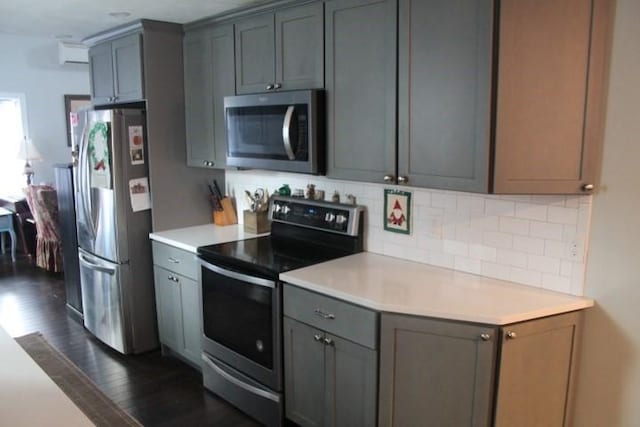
pixel 341 219
pixel 329 217
pixel 286 209
pixel 277 208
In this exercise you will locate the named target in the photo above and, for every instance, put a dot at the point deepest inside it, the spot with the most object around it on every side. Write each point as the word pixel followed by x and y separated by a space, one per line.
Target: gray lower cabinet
pixel 444 93
pixel 281 50
pixel 208 78
pixel 447 373
pixel 360 72
pixel 116 70
pixel 178 301
pixel 329 380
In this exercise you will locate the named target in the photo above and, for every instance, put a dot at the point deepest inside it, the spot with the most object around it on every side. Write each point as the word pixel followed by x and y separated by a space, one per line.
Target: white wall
pixel 30 66
pixel 609 376
pixel 534 240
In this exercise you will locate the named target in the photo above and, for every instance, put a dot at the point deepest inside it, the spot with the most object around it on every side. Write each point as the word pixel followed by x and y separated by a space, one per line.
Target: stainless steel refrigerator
pixel 114 221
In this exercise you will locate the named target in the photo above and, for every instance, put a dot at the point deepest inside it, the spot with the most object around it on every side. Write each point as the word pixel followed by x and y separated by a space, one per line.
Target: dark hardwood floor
pixel 157 390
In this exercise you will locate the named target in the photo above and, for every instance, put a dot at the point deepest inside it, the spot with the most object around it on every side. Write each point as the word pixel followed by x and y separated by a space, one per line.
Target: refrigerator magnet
pixel 136 145
pixel 139 193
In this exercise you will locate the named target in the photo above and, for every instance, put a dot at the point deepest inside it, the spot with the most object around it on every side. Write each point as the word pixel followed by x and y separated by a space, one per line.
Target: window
pixel 13 130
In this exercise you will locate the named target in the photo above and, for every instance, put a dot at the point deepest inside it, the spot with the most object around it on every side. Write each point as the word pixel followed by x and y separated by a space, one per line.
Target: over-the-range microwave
pixel 281 131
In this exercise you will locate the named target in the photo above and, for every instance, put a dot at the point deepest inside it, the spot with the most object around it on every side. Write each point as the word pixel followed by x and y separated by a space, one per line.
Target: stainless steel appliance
pixel 242 298
pixel 279 131
pixel 113 239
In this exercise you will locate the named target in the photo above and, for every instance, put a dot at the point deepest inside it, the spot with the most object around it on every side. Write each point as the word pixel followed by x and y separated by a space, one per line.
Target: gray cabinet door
pixel 169 309
pixel 191 309
pixel 360 73
pixel 304 373
pixel 127 68
pixel 351 384
pixel 444 93
pixel 536 370
pixel 101 73
pixel 255 54
pixel 300 47
pixel 223 84
pixel 434 372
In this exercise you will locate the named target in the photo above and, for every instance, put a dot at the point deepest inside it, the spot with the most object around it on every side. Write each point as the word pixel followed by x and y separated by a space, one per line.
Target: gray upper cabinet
pixel 435 372
pixel 444 93
pixel 280 51
pixel 116 70
pixel 360 72
pixel 209 77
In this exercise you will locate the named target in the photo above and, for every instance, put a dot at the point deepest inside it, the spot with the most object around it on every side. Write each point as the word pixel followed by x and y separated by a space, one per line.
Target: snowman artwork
pixel 98 154
pixel 397 211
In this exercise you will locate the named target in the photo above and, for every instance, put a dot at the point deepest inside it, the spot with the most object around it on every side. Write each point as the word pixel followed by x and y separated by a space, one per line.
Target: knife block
pixel 256 222
pixel 227 216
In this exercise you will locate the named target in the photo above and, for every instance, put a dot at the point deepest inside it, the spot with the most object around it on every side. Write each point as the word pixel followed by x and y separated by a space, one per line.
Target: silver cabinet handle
pixel 403 179
pixel 588 187
pixel 388 178
pixel 511 335
pixel 485 337
pixel 328 341
pixel 277 86
pixel 318 337
pixel 269 87
pixel 324 314
pixel 286 132
pixel 173 278
pixel 173 260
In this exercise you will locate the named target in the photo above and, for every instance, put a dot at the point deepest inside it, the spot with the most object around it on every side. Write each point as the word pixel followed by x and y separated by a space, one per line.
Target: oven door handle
pixel 238 276
pixel 248 387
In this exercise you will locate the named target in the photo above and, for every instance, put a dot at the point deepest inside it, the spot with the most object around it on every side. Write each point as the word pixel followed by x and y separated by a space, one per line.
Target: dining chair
pixel 43 202
pixel 6 225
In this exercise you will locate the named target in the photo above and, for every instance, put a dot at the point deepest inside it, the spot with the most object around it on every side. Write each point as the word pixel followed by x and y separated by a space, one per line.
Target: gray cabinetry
pixel 438 372
pixel 444 93
pixel 178 301
pixel 329 380
pixel 208 78
pixel 116 70
pixel 360 64
pixel 280 51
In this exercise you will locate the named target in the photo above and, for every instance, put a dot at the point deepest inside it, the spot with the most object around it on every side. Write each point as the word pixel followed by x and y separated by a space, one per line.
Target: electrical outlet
pixel 574 251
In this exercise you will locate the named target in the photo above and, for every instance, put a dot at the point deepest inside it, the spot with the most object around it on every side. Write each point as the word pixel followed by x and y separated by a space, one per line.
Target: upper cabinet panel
pixel 255 58
pixel 550 95
pixel 127 66
pixel 101 73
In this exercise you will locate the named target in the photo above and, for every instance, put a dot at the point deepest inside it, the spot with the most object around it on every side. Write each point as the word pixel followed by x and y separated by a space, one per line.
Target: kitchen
pixel 599 263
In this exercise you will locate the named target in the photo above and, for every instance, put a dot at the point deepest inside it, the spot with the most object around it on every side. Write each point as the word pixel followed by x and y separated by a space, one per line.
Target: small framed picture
pixel 397 211
pixel 72 103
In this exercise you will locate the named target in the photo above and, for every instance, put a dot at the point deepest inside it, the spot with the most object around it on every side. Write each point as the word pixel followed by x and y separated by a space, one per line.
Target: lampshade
pixel 28 151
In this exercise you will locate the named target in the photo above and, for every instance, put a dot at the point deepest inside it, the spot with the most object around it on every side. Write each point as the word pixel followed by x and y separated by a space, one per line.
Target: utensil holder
pixel 227 216
pixel 256 222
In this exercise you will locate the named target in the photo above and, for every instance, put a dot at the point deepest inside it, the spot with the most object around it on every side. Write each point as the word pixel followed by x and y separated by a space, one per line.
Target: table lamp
pixel 28 152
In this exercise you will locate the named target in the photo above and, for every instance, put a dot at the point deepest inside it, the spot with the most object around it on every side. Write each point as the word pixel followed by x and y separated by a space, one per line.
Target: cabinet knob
pixel 485 337
pixel 403 180
pixel 173 278
pixel 328 341
pixel 388 178
pixel 511 335
pixel 318 337
pixel 277 86
pixel 269 86
pixel 588 187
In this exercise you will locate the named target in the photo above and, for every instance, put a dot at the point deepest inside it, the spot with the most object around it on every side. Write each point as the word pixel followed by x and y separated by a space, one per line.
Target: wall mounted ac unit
pixel 72 53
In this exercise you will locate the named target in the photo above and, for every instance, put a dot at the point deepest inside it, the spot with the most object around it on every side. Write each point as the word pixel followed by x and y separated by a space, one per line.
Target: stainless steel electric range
pixel 242 298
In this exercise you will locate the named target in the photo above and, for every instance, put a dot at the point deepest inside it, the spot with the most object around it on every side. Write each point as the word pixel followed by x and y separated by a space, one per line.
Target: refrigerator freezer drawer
pixel 102 300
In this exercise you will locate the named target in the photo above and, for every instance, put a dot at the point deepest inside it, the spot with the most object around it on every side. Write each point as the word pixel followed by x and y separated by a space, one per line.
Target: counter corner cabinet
pixel 208 78
pixel 280 50
pixel 457 373
pixel 177 301
pixel 330 360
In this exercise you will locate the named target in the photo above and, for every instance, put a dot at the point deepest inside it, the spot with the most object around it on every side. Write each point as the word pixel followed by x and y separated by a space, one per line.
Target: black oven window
pixel 239 316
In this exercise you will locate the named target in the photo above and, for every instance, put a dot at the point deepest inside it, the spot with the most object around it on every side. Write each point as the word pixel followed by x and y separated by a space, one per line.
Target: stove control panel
pixel 326 216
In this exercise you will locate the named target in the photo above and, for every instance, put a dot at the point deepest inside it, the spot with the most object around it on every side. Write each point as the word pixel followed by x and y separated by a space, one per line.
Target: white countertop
pixel 28 397
pixel 394 285
pixel 189 238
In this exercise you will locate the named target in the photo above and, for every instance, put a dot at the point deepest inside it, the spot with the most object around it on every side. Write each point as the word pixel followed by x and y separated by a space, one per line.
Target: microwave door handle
pixel 286 132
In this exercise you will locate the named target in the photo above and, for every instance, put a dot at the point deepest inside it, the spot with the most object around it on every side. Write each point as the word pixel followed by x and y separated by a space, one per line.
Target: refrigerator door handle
pixel 84 181
pixel 101 268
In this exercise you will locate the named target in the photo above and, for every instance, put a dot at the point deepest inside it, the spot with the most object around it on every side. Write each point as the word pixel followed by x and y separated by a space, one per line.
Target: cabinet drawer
pixel 354 323
pixel 176 260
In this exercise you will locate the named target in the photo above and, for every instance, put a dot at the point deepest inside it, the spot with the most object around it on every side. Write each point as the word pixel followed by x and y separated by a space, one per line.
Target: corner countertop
pixel 394 285
pixel 190 238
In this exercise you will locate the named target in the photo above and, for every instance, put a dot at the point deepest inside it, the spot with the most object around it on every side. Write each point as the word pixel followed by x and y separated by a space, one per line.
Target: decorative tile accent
pixel 539 241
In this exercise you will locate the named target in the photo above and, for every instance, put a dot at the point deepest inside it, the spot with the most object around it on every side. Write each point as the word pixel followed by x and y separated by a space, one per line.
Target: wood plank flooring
pixel 157 390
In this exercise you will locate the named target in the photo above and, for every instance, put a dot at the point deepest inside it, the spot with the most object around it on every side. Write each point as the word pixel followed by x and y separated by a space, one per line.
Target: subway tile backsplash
pixel 539 241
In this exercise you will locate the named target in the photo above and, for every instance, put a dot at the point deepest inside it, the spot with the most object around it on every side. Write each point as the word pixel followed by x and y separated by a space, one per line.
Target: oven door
pixel 241 322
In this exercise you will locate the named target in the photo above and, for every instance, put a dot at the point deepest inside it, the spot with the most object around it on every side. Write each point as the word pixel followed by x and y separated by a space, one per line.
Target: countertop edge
pixel 174 243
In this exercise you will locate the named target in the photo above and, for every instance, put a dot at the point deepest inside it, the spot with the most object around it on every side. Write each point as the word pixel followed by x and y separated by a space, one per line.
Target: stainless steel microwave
pixel 281 131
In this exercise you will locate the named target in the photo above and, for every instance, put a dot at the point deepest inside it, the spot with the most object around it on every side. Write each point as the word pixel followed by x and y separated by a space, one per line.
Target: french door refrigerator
pixel 114 221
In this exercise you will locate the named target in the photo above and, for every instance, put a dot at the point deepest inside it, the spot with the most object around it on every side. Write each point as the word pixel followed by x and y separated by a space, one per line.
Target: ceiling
pixel 73 20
